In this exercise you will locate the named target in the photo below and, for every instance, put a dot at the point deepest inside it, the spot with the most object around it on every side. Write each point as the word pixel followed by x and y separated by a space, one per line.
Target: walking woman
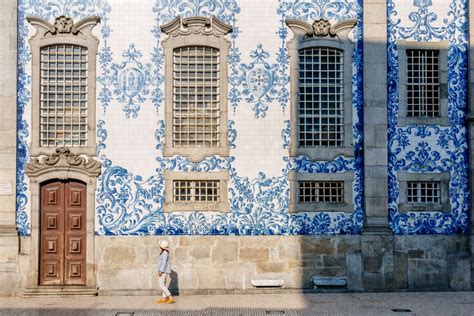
pixel 164 270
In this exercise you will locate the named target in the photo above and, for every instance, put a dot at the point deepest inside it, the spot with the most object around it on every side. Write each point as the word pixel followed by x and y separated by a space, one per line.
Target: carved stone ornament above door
pixel 62 162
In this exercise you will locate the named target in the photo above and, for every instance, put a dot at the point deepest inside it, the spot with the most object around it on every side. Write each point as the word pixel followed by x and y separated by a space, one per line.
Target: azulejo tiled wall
pixel 130 125
pixel 430 148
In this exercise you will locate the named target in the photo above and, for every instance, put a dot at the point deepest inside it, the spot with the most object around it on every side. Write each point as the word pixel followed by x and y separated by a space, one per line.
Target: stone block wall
pixel 8 234
pixel 226 263
pixel 431 263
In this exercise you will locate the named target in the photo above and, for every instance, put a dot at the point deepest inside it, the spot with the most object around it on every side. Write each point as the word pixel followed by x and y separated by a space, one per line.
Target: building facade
pixel 276 142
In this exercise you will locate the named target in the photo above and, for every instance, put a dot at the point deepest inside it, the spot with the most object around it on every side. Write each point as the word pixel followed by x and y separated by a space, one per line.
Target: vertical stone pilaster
pixel 471 132
pixel 8 235
pixel 377 237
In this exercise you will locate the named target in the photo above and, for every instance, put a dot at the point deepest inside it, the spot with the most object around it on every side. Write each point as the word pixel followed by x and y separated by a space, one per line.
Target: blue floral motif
pixel 130 204
pixel 430 148
pixel 285 134
pixel 232 134
pixel 131 79
pixel 422 28
pixel 258 80
pixel 48 10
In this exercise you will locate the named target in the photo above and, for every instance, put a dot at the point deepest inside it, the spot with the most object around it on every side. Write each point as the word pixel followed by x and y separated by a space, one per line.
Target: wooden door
pixel 63 233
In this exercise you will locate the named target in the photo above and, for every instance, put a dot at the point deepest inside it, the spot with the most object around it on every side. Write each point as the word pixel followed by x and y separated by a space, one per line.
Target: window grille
pixel 196 116
pixel 422 83
pixel 424 192
pixel 321 97
pixel 63 100
pixel 321 192
pixel 196 190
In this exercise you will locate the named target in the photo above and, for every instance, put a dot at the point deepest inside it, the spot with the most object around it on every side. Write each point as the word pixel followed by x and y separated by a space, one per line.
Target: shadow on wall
pixel 174 283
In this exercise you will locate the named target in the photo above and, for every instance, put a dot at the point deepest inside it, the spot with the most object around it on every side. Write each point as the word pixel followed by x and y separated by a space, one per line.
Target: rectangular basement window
pixel 320 191
pixel 424 192
pixel 201 191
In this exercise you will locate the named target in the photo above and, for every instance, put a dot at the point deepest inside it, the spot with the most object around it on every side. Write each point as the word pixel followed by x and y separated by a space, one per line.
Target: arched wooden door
pixel 63 233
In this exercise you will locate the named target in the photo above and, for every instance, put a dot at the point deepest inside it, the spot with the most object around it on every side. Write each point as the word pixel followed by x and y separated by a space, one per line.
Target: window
pixel 427 192
pixel 64 105
pixel 196 51
pixel 63 86
pixel 196 191
pixel 423 83
pixel 424 192
pixel 196 97
pixel 196 87
pixel 321 89
pixel 321 192
pixel 321 97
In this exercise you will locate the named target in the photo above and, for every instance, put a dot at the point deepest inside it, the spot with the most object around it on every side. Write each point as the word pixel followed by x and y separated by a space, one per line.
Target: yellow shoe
pixel 171 300
pixel 162 300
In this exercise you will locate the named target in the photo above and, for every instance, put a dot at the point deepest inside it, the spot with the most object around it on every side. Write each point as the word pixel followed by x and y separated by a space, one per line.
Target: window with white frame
pixel 320 191
pixel 424 192
pixel 196 96
pixel 63 93
pixel 423 84
pixel 321 97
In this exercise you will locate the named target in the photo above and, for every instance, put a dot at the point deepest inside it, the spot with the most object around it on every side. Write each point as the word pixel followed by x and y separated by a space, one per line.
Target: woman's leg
pixel 161 282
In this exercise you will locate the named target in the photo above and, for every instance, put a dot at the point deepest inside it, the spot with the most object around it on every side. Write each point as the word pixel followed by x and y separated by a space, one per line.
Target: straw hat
pixel 163 244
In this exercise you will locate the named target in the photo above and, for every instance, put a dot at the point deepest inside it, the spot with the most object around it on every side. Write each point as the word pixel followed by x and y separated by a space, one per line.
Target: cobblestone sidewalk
pixel 451 303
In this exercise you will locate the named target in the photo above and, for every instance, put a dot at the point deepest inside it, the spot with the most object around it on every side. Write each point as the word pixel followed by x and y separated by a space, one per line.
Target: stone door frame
pixel 61 165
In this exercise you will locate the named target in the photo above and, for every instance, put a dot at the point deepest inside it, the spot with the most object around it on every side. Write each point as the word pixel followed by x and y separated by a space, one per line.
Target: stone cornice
pixel 63 160
pixel 196 25
pixel 62 25
pixel 321 28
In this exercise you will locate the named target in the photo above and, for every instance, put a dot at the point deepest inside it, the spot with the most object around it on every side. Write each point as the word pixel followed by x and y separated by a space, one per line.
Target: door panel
pixel 63 233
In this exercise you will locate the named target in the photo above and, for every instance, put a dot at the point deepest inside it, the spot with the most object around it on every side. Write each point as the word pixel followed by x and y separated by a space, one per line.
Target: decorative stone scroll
pixel 63 160
pixel 321 28
pixel 63 24
pixel 196 25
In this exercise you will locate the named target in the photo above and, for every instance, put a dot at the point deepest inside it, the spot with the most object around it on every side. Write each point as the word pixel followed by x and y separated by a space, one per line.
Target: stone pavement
pixel 439 303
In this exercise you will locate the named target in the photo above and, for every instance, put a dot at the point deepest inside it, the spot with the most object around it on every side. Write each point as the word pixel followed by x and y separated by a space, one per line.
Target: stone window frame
pixel 172 206
pixel 63 31
pixel 321 34
pixel 347 206
pixel 196 31
pixel 442 47
pixel 405 177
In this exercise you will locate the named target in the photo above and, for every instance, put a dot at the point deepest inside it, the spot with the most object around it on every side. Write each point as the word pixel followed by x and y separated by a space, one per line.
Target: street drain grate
pixel 275 312
pixel 125 314
pixel 401 310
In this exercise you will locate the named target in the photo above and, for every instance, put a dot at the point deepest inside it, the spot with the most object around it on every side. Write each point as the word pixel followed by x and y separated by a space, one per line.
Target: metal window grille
pixel 63 96
pixel 321 191
pixel 196 190
pixel 422 83
pixel 196 116
pixel 321 97
pixel 425 192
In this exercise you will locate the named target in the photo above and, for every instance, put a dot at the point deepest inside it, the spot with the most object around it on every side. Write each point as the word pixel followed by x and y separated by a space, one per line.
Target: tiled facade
pixel 370 243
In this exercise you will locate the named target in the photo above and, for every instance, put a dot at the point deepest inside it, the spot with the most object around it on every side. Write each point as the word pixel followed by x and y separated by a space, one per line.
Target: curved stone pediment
pixel 63 161
pixel 196 25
